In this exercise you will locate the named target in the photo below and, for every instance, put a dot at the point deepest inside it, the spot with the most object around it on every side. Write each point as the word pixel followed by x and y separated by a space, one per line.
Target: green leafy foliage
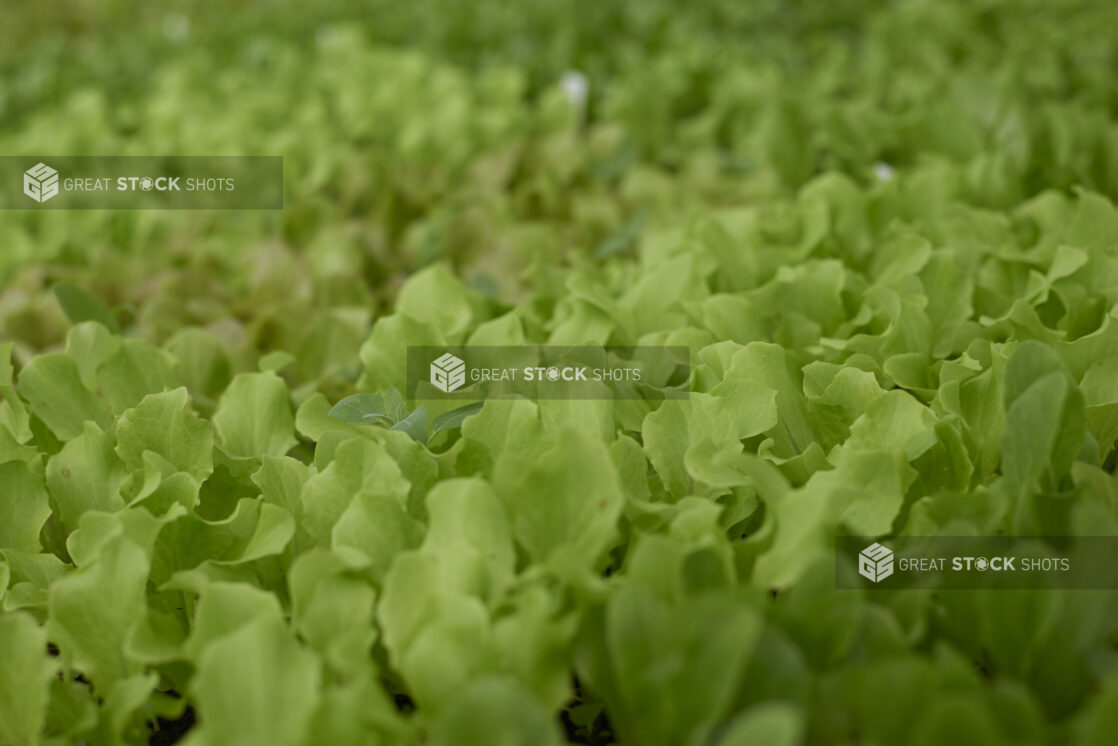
pixel 885 232
pixel 81 306
pixel 24 679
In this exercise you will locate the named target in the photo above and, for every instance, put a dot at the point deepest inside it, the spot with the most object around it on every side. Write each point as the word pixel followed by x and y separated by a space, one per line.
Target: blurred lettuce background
pixel 876 224
pixel 438 130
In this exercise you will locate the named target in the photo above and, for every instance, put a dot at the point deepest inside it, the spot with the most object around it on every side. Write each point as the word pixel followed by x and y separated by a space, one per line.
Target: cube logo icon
pixel 448 373
pixel 875 563
pixel 40 182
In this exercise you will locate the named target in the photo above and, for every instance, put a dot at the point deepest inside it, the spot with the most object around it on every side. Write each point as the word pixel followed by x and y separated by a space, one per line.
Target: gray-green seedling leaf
pixel 455 417
pixel 415 424
pixel 361 409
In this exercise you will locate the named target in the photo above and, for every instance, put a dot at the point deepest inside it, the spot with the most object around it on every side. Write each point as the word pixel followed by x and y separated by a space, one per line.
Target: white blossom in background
pixel 576 87
pixel 883 171
pixel 176 27
pixel 327 37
